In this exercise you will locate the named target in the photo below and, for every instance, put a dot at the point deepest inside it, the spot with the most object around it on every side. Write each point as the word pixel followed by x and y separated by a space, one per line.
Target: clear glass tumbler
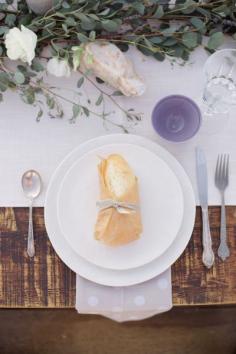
pixel 219 93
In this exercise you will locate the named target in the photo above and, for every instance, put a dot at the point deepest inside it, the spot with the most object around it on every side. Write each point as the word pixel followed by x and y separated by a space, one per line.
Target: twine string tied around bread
pixel 121 207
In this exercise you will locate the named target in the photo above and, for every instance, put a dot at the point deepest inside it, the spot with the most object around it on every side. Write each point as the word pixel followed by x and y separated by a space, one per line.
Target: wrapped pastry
pixel 119 219
pixel 108 63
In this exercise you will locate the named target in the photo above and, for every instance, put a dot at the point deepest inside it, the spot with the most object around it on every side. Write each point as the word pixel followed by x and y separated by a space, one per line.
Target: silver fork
pixel 221 182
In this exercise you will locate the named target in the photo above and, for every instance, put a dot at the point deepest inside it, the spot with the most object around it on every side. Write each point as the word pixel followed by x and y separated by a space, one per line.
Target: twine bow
pixel 121 207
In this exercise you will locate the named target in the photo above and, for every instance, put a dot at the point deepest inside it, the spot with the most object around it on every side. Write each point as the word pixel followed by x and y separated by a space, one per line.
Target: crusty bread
pixel 118 175
pixel 117 182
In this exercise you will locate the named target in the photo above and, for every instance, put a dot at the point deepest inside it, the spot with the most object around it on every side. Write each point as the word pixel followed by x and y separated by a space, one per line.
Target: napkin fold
pixel 129 303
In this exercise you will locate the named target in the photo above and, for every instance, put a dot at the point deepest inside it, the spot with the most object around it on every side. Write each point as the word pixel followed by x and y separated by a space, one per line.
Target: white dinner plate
pixel 161 202
pixel 118 277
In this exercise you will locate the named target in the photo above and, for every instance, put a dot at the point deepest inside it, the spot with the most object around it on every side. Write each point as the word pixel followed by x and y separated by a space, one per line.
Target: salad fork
pixel 221 182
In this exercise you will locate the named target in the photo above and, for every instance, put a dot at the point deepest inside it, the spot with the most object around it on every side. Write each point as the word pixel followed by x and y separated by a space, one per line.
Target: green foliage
pixel 215 40
pixel 144 24
pixel 153 27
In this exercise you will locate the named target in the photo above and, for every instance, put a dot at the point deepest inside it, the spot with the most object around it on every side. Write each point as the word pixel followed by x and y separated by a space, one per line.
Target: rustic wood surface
pixel 46 282
pixel 191 330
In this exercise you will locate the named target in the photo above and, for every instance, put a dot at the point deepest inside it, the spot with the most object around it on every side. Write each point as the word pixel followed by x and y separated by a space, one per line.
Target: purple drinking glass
pixel 176 118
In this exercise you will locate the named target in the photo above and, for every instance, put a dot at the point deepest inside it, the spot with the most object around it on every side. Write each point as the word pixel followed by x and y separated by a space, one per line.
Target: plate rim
pixel 124 279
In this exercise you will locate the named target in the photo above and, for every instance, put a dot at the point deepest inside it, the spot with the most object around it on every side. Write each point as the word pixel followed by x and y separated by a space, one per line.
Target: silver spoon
pixel 32 185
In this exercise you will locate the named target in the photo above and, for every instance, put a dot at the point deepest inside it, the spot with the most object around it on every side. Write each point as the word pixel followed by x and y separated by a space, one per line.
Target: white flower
pixel 58 67
pixel 21 44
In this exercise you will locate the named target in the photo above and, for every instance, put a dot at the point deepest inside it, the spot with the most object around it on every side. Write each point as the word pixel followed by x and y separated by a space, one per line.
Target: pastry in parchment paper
pixel 118 183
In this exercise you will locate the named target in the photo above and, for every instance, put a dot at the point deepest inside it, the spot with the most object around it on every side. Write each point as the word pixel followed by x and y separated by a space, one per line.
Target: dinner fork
pixel 221 182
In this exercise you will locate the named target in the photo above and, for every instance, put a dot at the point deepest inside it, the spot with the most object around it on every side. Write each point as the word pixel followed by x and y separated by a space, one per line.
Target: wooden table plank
pixel 46 282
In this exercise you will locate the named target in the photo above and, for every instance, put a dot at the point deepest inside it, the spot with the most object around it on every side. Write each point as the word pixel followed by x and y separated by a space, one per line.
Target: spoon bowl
pixel 31 184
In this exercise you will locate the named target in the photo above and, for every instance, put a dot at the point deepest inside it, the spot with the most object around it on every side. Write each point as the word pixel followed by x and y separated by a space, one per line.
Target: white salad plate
pixel 161 202
pixel 102 275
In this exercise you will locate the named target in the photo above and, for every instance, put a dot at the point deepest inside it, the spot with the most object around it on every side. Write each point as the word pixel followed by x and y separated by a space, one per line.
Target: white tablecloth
pixel 26 144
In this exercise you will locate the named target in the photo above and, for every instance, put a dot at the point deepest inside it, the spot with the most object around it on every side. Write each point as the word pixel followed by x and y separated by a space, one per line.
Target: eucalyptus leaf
pixel 190 39
pixel 65 28
pixel 82 38
pixel 70 22
pixel 110 25
pixel 76 110
pixel 66 5
pixel 124 47
pixel 25 20
pixel 159 56
pixel 223 10
pixel 86 111
pixel 189 7
pixel 198 24
pixel 92 36
pixel 50 102
pixel 139 7
pixel 19 77
pixel 170 42
pixel 157 40
pixel 94 17
pixel 178 51
pixel 4 81
pixel 168 32
pixel 37 66
pixel 80 82
pixel 117 93
pixel 22 68
pixel 87 23
pixel 105 12
pixel 215 40
pixel 10 20
pixel 39 114
pixel 60 15
pixel 28 96
pixel 3 30
pixel 99 100
pixel 159 12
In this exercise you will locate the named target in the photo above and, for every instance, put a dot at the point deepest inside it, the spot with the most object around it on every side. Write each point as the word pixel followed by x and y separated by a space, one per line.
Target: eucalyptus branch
pixel 48 90
pixel 146 25
pixel 65 99
pixel 135 116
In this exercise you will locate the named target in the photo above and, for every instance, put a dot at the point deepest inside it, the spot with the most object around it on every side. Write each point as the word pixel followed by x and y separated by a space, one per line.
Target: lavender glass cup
pixel 176 118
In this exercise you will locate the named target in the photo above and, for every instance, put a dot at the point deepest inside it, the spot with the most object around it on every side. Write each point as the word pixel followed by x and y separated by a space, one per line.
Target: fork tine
pixel 217 169
pixel 224 168
pixel 221 168
pixel 222 171
pixel 227 169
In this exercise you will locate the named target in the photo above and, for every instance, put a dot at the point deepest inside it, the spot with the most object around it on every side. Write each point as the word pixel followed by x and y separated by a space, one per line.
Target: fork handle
pixel 223 250
pixel 223 219
pixel 207 255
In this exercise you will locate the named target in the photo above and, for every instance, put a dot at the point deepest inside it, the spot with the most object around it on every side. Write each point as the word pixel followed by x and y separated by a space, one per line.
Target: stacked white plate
pixel 167 207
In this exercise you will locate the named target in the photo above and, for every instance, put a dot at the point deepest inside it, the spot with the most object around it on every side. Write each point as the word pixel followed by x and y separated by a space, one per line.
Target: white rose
pixel 21 44
pixel 58 67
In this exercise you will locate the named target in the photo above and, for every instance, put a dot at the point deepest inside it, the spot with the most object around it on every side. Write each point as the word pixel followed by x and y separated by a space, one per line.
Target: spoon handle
pixel 30 245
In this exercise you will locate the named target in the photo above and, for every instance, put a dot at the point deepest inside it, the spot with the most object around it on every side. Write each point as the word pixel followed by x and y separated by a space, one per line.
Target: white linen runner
pixel 122 304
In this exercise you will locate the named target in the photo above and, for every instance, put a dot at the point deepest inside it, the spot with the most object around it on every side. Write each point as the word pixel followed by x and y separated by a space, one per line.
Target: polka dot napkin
pixel 122 304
